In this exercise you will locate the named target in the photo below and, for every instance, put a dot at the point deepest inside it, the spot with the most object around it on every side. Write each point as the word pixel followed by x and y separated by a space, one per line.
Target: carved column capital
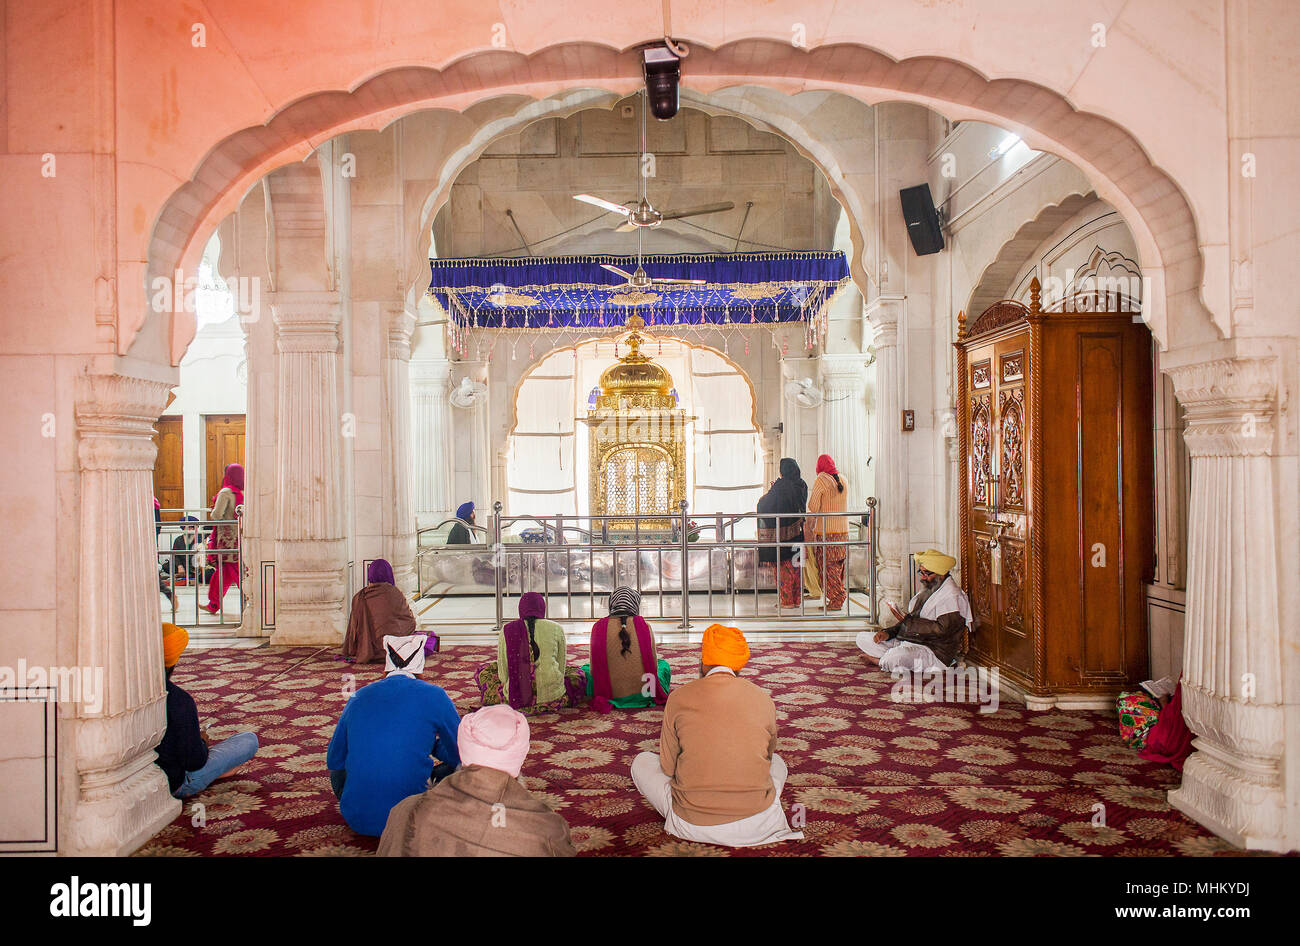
pixel 883 315
pixel 1231 405
pixel 115 417
pixel 306 321
pixel 401 324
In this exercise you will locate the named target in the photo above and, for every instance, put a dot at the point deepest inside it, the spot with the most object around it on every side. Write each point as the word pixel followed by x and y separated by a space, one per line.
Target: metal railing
pixel 194 562
pixel 581 558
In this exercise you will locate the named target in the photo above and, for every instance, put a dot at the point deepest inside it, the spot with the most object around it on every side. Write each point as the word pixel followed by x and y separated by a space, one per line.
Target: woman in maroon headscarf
pixel 224 508
pixel 829 496
pixel 377 609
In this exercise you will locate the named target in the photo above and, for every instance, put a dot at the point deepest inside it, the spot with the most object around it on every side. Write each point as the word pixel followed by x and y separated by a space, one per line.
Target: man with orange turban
pixel 717 777
pixel 185 755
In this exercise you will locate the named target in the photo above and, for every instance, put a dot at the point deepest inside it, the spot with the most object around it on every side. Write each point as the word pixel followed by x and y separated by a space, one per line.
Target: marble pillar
pixel 890 451
pixel 844 420
pixel 431 440
pixel 1240 659
pixel 801 426
pixel 400 542
pixel 122 797
pixel 311 584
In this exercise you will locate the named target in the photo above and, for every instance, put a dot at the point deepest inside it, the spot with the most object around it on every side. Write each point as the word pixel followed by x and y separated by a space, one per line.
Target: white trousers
pixel 762 828
pixel 899 655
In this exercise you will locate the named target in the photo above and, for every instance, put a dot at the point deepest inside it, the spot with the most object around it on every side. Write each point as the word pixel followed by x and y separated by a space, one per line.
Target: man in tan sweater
pixel 717 777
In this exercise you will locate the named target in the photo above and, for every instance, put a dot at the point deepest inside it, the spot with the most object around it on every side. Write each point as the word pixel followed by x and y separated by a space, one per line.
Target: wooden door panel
pixel 225 445
pixel 169 466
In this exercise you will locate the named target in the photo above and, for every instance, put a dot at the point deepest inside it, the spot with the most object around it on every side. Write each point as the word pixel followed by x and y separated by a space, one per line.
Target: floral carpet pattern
pixel 868 775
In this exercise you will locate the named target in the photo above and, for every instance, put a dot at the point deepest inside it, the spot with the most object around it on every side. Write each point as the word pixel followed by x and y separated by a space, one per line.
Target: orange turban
pixel 724 647
pixel 175 640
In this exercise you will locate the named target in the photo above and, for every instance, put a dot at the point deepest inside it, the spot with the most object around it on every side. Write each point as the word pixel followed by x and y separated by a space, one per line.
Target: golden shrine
pixel 638 440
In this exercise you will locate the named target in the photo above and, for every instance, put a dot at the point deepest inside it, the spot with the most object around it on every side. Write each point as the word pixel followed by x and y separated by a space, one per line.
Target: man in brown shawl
pixel 378 610
pixel 481 809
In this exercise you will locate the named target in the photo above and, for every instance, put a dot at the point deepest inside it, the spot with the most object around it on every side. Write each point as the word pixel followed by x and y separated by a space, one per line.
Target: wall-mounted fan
pixel 803 392
pixel 466 394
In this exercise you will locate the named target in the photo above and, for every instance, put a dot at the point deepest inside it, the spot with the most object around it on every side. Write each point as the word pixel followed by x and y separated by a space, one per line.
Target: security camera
pixel 663 72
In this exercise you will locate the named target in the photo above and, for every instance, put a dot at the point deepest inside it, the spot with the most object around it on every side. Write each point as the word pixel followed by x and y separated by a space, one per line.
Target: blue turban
pixel 464 511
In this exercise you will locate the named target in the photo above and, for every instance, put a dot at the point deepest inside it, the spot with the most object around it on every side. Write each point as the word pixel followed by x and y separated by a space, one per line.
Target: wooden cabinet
pixel 1057 494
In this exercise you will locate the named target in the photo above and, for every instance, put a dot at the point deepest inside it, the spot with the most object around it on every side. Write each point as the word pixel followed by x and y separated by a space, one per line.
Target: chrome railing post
pixel 872 537
pixel 498 558
pixel 686 596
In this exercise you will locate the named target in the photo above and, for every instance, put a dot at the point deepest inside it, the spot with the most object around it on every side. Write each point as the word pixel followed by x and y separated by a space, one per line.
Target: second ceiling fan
pixel 642 216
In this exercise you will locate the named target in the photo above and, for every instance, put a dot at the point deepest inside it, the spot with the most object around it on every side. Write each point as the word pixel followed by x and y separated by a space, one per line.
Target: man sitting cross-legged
pixel 717 777
pixel 929 636
pixel 384 745
pixel 481 809
pixel 186 754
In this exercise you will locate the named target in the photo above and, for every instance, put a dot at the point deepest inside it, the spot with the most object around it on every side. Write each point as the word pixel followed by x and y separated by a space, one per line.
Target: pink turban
pixel 495 737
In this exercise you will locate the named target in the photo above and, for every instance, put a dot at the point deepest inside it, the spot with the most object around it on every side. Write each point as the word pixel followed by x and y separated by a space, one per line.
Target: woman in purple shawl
pixel 530 672
pixel 378 609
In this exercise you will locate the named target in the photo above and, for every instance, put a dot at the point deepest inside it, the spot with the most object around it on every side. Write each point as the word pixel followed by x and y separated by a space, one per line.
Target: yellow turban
pixel 932 560
pixel 175 640
pixel 724 647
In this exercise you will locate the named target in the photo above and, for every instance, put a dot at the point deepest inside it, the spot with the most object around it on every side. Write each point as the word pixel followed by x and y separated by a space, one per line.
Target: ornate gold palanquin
pixel 638 440
pixel 1056 493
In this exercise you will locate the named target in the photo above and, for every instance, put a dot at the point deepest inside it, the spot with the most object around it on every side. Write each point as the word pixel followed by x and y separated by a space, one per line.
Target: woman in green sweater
pixel 530 672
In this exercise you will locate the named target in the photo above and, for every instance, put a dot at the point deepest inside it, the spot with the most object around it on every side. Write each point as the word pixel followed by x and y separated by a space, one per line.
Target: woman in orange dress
pixel 829 495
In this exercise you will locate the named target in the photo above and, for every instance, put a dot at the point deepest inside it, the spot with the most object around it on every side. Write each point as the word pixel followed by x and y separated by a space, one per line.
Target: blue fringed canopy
pixel 575 292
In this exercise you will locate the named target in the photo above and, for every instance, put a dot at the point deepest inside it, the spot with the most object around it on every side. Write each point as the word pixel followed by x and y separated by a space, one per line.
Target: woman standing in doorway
pixel 829 495
pixel 224 507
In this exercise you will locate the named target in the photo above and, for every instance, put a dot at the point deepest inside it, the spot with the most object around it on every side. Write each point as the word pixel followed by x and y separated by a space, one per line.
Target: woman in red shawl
pixel 829 496
pixel 224 506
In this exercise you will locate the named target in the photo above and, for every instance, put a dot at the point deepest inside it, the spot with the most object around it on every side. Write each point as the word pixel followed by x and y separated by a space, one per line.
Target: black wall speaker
pixel 922 219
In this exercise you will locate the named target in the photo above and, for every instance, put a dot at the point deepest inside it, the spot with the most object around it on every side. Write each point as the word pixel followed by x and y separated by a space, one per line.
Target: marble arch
pixel 1113 159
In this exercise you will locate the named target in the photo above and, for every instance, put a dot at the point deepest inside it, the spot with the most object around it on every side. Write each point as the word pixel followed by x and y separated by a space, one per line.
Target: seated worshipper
pixel 929 636
pixel 829 495
pixel 381 749
pixel 481 809
pixel 717 777
pixel 624 671
pixel 530 671
pixel 379 610
pixel 182 565
pixel 460 534
pixel 781 519
pixel 186 754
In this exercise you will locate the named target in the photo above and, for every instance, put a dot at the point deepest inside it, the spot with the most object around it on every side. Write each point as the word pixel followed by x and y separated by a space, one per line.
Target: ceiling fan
pixel 642 216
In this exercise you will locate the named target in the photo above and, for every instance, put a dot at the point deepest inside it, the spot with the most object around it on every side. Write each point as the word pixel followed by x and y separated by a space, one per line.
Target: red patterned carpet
pixel 873 777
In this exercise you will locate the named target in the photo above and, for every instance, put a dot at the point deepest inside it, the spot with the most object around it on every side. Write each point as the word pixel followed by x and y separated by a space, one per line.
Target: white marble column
pixel 800 426
pixel 311 586
pixel 432 442
pixel 1240 661
pixel 890 450
pixel 400 543
pixel 844 416
pixel 122 796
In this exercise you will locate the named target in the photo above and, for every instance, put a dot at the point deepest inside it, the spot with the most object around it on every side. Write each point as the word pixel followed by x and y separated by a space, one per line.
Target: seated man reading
pixel 929 636
pixel 384 745
pixel 717 777
pixel 481 809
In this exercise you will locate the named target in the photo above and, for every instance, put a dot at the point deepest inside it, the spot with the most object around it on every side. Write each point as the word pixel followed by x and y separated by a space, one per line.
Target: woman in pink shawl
pixel 624 671
pixel 224 506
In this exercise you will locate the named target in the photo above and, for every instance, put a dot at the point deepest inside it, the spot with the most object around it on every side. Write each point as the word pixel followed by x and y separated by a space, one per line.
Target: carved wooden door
pixel 997 499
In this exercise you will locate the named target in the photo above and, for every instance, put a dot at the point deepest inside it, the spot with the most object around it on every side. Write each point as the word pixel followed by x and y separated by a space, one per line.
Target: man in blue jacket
pixel 386 742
